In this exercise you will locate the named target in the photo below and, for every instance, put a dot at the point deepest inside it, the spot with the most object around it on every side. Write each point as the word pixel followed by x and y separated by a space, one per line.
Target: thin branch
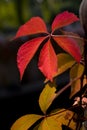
pixel 58 112
pixel 66 86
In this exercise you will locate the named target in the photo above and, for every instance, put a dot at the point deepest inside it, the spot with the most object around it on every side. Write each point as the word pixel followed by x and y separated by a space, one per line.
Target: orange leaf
pixel 48 61
pixel 69 45
pixel 33 26
pixel 26 53
pixel 63 19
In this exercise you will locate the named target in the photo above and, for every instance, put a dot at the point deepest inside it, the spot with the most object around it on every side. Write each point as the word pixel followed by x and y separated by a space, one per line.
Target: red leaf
pixel 33 26
pixel 48 61
pixel 63 19
pixel 26 53
pixel 69 45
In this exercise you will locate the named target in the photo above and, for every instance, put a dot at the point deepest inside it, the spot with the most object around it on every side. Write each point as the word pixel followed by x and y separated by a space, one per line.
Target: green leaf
pixel 25 122
pixel 57 119
pixel 47 96
pixel 76 71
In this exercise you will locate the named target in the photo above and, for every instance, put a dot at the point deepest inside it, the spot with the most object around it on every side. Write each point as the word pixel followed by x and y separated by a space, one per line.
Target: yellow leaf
pixel 75 87
pixel 47 96
pixel 65 62
pixel 49 123
pixel 64 117
pixel 84 80
pixel 25 122
pixel 56 120
pixel 76 71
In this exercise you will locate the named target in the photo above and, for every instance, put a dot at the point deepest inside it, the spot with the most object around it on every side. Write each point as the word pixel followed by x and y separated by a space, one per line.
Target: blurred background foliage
pixel 13 13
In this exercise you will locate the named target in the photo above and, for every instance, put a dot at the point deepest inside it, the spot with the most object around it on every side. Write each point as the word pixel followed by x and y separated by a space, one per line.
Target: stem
pixel 58 112
pixel 65 87
pixel 71 119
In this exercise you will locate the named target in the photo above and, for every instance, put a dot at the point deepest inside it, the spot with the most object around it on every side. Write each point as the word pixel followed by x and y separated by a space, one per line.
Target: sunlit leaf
pixel 65 61
pixel 75 87
pixel 47 96
pixel 48 61
pixel 69 45
pixel 55 121
pixel 84 80
pixel 63 19
pixel 76 71
pixel 26 53
pixel 33 26
pixel 25 122
pixel 49 123
pixel 77 38
pixel 65 117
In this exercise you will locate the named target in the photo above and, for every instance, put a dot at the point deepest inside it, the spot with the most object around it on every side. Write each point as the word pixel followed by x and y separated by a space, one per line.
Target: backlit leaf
pixel 77 38
pixel 76 71
pixel 33 26
pixel 55 121
pixel 47 96
pixel 69 45
pixel 65 61
pixel 48 61
pixel 84 80
pixel 26 53
pixel 49 124
pixel 25 122
pixel 63 19
pixel 75 87
pixel 65 117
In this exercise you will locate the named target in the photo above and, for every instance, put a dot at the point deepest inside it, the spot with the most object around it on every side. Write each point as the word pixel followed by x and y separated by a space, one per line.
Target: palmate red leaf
pixel 48 61
pixel 63 19
pixel 26 53
pixel 69 45
pixel 33 26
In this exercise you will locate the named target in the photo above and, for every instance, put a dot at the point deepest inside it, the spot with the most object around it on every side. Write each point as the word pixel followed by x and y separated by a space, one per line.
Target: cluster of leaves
pixel 47 60
pixel 56 119
pixel 52 121
pixel 51 65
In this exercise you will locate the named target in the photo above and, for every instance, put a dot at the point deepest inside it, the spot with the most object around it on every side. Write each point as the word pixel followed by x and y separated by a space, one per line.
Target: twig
pixel 65 87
